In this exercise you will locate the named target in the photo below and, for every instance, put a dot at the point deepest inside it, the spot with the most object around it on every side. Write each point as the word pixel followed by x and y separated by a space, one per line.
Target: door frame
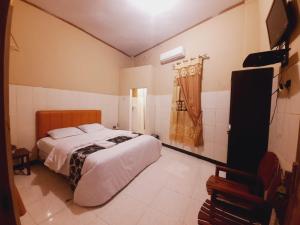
pixel 9 214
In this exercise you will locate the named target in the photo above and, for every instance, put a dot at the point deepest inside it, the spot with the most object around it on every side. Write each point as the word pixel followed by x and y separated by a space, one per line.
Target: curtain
pixel 186 114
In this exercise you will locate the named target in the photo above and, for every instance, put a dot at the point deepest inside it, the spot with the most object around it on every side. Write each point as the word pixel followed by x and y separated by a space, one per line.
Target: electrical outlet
pixel 288 84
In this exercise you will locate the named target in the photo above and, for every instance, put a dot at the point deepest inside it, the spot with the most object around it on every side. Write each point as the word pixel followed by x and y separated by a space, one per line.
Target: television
pixel 278 23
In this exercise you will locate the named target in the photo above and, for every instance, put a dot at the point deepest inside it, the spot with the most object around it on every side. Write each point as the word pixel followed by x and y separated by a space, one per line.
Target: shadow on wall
pixel 292 70
pixel 291 73
pixel 295 10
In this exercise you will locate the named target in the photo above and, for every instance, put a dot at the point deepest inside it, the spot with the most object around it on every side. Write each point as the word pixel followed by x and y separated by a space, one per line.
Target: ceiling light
pixel 154 7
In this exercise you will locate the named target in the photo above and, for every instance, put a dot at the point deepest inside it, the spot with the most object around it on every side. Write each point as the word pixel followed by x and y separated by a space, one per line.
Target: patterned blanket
pixel 78 157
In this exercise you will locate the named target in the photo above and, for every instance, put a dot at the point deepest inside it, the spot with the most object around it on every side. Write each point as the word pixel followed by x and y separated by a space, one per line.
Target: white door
pixel 138 109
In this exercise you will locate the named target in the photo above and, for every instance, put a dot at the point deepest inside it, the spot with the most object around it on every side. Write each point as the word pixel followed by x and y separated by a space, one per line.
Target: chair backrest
pixel 269 168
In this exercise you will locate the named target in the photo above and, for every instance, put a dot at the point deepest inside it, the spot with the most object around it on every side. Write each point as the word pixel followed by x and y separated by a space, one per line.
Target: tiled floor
pixel 169 192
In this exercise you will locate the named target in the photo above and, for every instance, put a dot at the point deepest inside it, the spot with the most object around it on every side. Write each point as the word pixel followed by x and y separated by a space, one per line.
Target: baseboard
pixel 216 162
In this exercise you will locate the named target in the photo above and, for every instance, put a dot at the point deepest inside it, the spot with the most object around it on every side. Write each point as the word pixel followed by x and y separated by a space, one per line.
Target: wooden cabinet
pixel 249 118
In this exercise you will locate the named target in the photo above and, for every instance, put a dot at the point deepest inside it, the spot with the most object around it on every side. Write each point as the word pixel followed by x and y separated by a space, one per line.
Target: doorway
pixel 137 113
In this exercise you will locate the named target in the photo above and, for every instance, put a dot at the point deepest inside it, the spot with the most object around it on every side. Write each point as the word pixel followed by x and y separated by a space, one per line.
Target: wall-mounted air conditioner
pixel 172 55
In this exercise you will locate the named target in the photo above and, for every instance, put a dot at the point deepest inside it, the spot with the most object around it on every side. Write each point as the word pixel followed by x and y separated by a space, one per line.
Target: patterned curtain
pixel 186 113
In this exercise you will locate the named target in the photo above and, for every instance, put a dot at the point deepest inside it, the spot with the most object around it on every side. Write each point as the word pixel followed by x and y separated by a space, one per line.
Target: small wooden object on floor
pixel 22 154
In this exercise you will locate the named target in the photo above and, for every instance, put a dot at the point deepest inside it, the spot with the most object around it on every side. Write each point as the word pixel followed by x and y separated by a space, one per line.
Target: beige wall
pixel 227 39
pixel 224 38
pixel 57 66
pixel 136 77
pixel 284 131
pixel 54 54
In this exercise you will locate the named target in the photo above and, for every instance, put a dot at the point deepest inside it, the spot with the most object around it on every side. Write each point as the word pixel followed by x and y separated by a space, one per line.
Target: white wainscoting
pixel 215 106
pixel 25 101
pixel 124 104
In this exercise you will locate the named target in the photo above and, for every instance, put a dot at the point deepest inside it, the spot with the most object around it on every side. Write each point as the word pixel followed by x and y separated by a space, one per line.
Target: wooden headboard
pixel 53 119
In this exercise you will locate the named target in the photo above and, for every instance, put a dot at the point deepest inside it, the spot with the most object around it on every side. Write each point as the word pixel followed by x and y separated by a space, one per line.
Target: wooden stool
pixel 23 155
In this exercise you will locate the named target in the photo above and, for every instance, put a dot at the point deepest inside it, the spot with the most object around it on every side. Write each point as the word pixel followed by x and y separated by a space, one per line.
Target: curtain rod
pixel 203 57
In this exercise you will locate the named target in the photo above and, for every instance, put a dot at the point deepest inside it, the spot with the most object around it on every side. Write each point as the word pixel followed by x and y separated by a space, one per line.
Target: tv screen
pixel 277 23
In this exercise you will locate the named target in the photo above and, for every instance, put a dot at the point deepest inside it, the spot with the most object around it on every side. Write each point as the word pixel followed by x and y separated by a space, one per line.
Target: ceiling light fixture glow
pixel 154 7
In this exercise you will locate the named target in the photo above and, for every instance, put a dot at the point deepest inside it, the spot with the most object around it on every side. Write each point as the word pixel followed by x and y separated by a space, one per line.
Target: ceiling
pixel 133 26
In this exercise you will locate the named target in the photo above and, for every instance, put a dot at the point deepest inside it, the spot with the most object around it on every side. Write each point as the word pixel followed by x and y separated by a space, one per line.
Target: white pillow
pixel 64 132
pixel 91 128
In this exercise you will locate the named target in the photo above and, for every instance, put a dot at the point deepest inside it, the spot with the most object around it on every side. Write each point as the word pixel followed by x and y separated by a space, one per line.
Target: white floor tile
pixel 144 192
pixel 168 192
pixel 71 215
pixel 153 217
pixel 27 220
pixel 97 221
pixel 46 207
pixel 31 194
pixel 171 203
pixel 123 210
pixel 192 211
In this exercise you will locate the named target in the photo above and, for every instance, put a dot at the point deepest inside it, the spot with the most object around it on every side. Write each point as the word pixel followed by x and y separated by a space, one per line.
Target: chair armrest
pixel 237 194
pixel 236 172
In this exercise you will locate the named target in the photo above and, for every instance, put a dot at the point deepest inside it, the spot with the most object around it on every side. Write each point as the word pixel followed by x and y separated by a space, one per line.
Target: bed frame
pixel 53 119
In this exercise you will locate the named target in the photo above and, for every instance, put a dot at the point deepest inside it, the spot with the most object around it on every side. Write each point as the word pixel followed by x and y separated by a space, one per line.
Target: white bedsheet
pixel 45 146
pixel 105 172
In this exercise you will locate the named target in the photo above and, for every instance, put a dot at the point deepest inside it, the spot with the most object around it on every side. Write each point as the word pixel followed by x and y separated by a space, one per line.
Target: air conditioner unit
pixel 172 55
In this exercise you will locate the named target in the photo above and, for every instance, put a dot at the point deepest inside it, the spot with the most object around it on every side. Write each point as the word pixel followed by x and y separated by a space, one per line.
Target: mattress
pixel 45 146
pixel 106 172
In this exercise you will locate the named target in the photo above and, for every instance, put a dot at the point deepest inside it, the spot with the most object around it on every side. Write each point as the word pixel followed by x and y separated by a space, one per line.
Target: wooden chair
pixel 238 204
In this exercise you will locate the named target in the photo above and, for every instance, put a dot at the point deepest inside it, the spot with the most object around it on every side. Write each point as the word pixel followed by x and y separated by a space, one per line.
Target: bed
pixel 104 173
